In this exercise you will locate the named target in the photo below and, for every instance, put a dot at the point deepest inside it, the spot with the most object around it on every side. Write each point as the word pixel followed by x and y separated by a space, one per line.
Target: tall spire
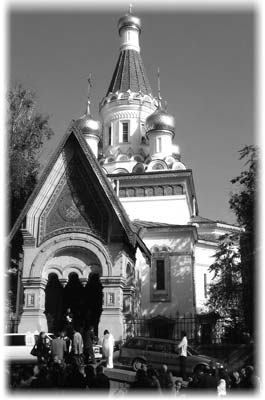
pixel 129 72
pixel 89 86
pixel 159 89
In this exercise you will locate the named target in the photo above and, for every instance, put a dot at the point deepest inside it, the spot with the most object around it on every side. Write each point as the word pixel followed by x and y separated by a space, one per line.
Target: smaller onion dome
pixel 176 151
pixel 89 125
pixel 160 120
pixel 129 21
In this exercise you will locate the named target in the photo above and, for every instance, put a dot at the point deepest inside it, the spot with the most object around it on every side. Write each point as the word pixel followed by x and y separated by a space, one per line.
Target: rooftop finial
pixel 158 88
pixel 89 86
pixel 166 105
pixel 89 81
pixel 130 8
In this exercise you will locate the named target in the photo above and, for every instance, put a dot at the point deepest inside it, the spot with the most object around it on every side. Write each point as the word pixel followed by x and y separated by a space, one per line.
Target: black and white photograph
pixel 131 158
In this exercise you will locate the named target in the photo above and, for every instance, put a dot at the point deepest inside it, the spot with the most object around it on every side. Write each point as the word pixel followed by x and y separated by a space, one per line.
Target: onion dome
pixel 129 21
pixel 89 125
pixel 160 120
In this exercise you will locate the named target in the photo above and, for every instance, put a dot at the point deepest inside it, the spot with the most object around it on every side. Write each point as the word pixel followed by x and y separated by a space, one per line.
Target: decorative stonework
pixel 74 204
pixel 143 191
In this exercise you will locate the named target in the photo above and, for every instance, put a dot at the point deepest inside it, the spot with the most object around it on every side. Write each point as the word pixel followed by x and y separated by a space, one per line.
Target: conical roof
pixel 130 74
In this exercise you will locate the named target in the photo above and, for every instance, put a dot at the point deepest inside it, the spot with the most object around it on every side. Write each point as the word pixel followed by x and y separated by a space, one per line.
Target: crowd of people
pixel 68 362
pixel 58 376
pixel 207 379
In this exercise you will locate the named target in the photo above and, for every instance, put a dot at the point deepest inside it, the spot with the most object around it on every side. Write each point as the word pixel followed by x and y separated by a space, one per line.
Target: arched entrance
pixel 73 281
pixel 85 302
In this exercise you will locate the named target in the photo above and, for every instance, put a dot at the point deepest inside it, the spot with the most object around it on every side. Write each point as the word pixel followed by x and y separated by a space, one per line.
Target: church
pixel 112 230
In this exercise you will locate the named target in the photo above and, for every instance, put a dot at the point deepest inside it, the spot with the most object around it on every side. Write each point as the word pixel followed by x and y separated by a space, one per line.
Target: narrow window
pixel 110 136
pixel 160 275
pixel 159 145
pixel 205 285
pixel 125 132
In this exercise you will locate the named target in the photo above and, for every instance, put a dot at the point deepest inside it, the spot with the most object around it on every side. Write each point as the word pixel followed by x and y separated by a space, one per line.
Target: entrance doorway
pixel 85 302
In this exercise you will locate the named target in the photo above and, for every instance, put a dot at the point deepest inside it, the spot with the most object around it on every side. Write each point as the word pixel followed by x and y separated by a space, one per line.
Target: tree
pixel 244 203
pixel 27 131
pixel 234 266
pixel 225 292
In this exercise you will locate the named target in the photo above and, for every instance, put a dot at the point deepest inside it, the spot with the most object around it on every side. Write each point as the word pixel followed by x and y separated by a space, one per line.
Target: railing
pixel 199 331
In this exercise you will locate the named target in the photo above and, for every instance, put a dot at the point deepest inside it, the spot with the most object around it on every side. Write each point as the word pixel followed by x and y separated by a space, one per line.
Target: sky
pixel 207 61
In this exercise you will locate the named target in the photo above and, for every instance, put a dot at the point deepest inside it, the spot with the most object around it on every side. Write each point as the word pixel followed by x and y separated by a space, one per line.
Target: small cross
pixel 89 80
pixel 130 8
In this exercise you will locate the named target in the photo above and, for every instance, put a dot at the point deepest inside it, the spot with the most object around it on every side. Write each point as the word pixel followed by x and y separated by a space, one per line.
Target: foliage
pixel 27 131
pixel 234 266
pixel 243 203
pixel 225 293
pixel 244 200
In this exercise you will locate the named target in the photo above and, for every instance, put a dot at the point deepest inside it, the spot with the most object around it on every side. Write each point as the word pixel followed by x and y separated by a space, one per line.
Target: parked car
pixel 152 351
pixel 17 346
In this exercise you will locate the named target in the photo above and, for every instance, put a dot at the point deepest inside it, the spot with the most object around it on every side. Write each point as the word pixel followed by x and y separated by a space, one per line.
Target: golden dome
pixel 131 21
pixel 160 120
pixel 88 125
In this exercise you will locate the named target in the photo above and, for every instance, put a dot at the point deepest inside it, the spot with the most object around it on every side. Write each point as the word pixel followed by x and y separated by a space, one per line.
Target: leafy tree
pixel 27 131
pixel 225 292
pixel 232 293
pixel 243 202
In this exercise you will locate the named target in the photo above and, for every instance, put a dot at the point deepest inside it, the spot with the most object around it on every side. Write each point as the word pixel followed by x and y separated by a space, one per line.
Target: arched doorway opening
pixel 53 303
pixel 73 275
pixel 84 301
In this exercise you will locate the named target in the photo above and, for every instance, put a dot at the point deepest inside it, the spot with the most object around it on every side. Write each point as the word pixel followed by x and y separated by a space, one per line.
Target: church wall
pixel 179 293
pixel 168 209
pixel 204 257
pixel 180 298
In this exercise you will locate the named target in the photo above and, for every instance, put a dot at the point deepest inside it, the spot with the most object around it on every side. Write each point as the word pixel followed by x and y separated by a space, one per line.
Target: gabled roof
pixel 201 220
pixel 103 180
pixel 130 74
pixel 220 224
pixel 151 224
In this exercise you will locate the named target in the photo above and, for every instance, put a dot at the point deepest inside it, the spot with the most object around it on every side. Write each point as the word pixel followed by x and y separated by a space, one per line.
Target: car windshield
pixel 192 351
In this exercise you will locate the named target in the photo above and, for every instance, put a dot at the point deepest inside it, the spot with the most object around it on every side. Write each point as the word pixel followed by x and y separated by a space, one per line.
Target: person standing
pixel 77 347
pixel 107 348
pixel 43 348
pixel 68 322
pixel 58 348
pixel 183 345
pixel 88 346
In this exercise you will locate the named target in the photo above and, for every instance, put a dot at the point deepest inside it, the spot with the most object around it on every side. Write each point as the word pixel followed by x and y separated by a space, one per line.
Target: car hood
pixel 200 358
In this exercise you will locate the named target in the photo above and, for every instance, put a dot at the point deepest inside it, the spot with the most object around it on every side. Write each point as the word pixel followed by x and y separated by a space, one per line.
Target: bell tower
pixel 127 104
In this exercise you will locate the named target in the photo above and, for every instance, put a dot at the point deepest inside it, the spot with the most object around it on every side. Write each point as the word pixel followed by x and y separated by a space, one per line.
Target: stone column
pixel 33 317
pixel 112 315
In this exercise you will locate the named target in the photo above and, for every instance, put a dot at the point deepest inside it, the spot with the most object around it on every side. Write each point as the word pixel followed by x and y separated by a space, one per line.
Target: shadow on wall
pixel 181 290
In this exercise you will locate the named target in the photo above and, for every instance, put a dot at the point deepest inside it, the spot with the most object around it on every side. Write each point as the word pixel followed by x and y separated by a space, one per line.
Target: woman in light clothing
pixel 107 348
pixel 183 345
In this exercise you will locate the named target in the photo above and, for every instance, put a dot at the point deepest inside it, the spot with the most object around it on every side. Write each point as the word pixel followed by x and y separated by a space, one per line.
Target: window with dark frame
pixel 110 136
pixel 125 132
pixel 160 274
pixel 205 285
